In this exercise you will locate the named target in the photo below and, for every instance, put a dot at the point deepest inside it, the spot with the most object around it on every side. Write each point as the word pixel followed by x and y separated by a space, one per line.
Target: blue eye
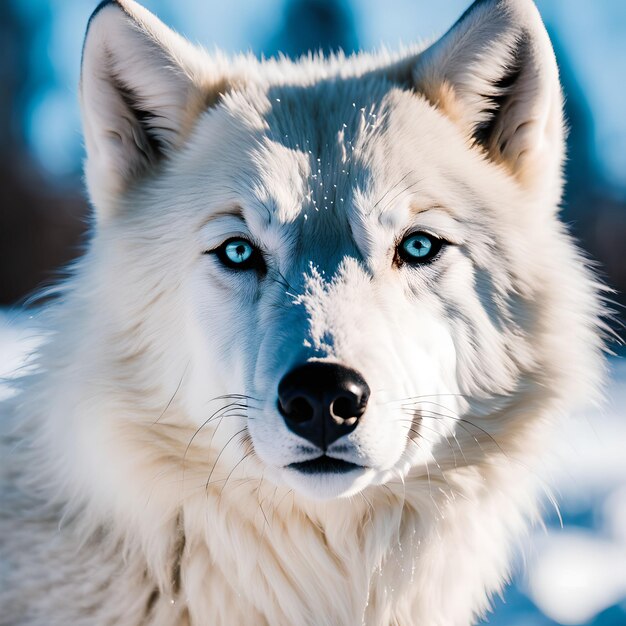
pixel 419 248
pixel 240 254
pixel 238 251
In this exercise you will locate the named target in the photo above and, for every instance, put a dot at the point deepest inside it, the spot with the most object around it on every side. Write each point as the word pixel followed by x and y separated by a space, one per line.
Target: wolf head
pixel 334 273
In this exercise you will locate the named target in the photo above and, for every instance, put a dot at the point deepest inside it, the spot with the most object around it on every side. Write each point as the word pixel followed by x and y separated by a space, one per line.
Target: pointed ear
pixel 494 73
pixel 142 87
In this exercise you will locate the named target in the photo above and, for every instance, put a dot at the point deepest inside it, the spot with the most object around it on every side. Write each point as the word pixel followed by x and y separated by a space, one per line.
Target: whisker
pixel 430 484
pixel 167 406
pixel 279 281
pixel 233 396
pixel 402 191
pixel 215 415
pixel 220 454
pixel 266 524
pixel 420 398
pixel 243 458
pixel 392 188
pixel 272 503
pixel 446 439
pixel 464 423
pixel 455 416
pixel 370 505
pixel 284 496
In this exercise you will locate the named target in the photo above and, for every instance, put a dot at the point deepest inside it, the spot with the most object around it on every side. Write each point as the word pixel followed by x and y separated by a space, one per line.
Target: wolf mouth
pixel 324 465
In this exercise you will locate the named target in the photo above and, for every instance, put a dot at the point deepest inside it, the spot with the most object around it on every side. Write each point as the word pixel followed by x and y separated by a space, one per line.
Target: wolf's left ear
pixel 495 74
pixel 142 87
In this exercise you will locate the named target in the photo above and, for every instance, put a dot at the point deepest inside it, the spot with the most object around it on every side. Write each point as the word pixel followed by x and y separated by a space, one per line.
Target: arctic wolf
pixel 327 313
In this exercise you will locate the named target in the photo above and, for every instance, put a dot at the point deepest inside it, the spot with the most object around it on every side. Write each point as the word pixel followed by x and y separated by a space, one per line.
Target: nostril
pixel 299 410
pixel 345 408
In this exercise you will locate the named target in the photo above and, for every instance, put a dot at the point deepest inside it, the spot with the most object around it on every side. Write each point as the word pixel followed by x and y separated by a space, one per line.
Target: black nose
pixel 322 401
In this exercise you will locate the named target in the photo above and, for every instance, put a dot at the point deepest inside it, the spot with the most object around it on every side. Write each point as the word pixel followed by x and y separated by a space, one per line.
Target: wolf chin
pixel 326 318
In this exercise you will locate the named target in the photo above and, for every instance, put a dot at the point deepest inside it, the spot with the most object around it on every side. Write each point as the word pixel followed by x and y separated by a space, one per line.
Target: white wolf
pixel 304 369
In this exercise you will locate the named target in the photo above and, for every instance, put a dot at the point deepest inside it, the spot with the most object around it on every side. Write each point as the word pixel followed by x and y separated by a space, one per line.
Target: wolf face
pixel 345 270
pixel 331 283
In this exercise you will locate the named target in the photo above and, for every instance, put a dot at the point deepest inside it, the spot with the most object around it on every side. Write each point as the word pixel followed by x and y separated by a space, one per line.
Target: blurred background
pixel 575 573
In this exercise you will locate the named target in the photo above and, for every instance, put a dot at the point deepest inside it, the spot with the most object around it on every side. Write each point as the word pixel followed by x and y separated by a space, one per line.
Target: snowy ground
pixel 574 573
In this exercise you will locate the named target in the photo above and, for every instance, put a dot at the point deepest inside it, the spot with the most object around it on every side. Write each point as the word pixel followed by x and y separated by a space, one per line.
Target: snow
pixel 577 572
pixel 577 575
pixel 574 573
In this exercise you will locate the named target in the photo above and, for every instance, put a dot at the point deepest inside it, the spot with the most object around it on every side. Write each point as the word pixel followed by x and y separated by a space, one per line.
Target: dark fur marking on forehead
pixel 314 102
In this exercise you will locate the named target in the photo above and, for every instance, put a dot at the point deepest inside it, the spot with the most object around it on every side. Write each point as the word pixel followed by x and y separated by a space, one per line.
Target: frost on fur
pixel 150 474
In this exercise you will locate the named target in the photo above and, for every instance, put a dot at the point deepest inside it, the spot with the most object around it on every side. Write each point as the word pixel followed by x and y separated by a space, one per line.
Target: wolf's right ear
pixel 142 87
pixel 494 73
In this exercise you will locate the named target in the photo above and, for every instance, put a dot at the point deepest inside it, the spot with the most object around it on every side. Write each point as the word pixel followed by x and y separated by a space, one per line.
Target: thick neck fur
pixel 236 550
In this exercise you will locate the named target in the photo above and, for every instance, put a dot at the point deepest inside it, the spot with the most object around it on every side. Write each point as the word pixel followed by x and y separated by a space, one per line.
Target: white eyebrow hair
pixel 234 211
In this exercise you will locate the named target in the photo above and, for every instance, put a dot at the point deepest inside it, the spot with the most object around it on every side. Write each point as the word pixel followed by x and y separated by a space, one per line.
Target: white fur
pixel 136 492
